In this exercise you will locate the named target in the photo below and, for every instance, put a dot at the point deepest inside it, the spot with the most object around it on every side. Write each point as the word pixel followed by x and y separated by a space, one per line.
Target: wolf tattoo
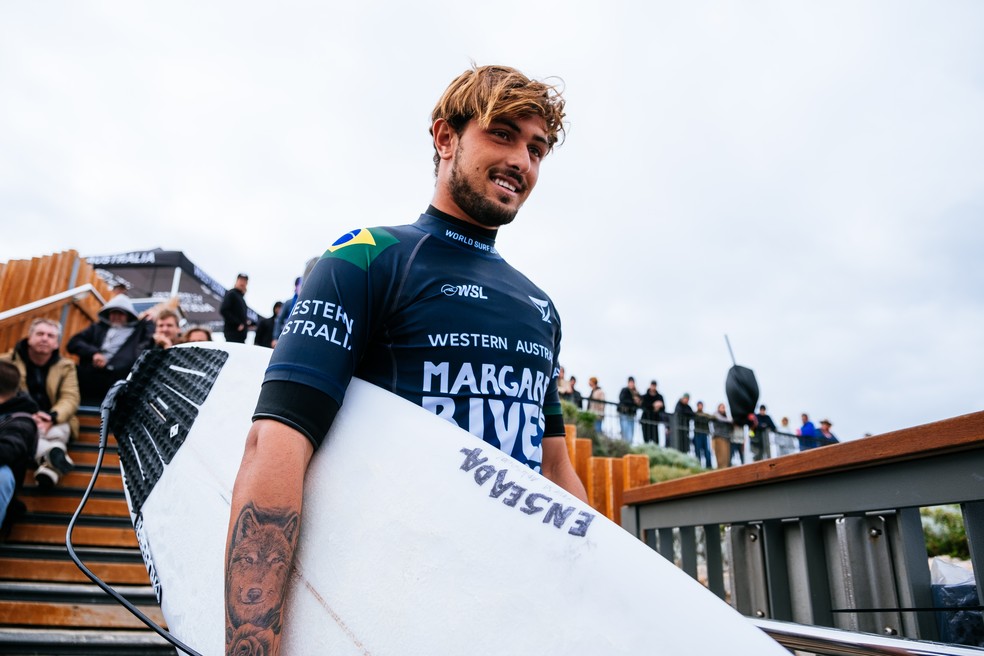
pixel 259 563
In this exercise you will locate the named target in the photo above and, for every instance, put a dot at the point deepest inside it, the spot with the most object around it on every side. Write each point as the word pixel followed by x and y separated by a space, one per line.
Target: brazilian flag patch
pixel 360 247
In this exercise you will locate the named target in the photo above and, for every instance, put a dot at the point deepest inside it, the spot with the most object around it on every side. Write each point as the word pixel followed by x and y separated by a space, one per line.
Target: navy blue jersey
pixel 431 312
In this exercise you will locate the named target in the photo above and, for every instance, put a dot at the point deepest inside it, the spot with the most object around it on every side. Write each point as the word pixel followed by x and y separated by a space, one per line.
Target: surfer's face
pixel 492 171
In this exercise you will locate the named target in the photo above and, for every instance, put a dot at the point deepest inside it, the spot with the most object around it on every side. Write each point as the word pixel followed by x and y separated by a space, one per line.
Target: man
pixel 52 382
pixel 682 415
pixel 652 411
pixel 108 348
pixel 702 429
pixel 759 440
pixel 167 333
pixel 18 435
pixel 234 312
pixel 423 310
pixel 628 402
pixel 826 437
pixel 265 335
pixel 596 403
pixel 807 434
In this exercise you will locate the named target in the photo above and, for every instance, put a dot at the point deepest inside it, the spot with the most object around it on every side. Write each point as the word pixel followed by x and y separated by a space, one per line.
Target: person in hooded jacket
pixel 108 348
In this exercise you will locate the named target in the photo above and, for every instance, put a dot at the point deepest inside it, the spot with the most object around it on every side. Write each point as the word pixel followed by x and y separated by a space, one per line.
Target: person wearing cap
pixel 824 434
pixel 234 311
pixel 108 348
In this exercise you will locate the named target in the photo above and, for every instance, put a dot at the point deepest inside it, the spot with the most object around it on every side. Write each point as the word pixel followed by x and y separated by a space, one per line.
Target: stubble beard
pixel 474 204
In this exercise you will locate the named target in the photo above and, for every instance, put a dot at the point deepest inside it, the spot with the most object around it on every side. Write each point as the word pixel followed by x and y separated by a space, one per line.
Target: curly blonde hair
pixel 485 93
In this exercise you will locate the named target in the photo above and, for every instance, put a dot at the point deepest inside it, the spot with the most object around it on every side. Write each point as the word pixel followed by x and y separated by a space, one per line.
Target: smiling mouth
pixel 510 185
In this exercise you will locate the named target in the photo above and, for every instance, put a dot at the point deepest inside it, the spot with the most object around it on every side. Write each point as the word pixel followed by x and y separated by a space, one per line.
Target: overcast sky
pixel 807 178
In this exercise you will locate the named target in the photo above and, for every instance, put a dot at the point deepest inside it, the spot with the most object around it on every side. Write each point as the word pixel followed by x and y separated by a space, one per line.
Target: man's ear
pixel 445 139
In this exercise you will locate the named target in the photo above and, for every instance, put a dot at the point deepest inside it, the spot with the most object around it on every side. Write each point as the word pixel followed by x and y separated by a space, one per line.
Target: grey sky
pixel 805 177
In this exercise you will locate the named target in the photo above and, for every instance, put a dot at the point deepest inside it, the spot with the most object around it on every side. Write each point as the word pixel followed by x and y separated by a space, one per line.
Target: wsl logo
pixel 543 306
pixel 466 291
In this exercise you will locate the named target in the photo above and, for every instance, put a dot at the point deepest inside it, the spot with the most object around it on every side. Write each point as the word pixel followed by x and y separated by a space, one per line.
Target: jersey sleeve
pixel 340 306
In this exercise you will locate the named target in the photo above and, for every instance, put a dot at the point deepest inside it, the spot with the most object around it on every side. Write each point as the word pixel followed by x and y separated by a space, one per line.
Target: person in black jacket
pixel 18 435
pixel 108 348
pixel 265 333
pixel 234 311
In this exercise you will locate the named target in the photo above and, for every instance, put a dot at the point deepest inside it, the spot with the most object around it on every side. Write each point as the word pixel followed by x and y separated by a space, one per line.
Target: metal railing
pixel 830 537
pixel 836 642
pixel 76 294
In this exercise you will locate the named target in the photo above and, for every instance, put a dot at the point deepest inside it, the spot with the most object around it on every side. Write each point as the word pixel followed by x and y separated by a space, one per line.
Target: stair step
pixel 79 478
pixel 32 530
pixel 64 502
pixel 52 563
pixel 77 606
pixel 88 642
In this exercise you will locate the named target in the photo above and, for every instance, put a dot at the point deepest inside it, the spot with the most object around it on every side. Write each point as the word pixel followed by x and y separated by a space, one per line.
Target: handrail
pixel 837 642
pixel 75 293
pixel 949 435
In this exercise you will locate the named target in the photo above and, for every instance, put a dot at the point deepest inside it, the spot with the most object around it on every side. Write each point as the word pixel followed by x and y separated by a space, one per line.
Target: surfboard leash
pixel 104 411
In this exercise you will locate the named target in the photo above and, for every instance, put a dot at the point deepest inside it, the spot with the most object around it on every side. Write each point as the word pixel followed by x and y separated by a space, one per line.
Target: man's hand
pixel 99 361
pixel 162 340
pixel 43 421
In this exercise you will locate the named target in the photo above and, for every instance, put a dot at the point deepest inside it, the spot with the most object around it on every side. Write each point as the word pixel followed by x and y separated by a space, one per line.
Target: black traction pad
pixel 153 414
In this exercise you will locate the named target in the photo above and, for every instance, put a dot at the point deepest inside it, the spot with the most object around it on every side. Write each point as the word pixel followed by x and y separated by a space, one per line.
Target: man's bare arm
pixel 263 529
pixel 558 468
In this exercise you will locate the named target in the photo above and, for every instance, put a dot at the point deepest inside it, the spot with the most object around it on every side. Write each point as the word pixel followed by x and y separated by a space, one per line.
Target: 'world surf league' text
pixel 517 496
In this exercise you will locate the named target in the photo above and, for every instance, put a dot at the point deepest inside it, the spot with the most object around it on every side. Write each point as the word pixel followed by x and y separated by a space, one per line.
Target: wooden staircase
pixel 47 605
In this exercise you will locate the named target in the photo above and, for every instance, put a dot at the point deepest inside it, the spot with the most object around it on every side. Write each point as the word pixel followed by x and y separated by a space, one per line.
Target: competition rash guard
pixel 431 312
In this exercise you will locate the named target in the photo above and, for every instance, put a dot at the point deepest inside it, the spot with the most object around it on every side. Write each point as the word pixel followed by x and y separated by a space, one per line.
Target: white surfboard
pixel 417 538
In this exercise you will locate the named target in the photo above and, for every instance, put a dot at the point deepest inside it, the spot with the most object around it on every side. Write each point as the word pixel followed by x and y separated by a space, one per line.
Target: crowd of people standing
pixel 694 430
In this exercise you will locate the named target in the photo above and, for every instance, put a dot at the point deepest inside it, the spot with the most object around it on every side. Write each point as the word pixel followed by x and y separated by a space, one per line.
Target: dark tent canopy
pixel 161 274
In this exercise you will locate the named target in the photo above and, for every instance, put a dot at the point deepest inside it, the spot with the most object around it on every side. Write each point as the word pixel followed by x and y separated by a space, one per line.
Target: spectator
pixel 564 389
pixel 683 413
pixel 807 434
pixel 108 348
pixel 166 333
pixel 265 335
pixel 596 403
pixel 288 307
pixel 576 397
pixel 652 411
pixel 825 436
pixel 760 436
pixel 18 435
pixel 197 334
pixel 702 427
pixel 53 384
pixel 234 311
pixel 721 431
pixel 738 443
pixel 628 402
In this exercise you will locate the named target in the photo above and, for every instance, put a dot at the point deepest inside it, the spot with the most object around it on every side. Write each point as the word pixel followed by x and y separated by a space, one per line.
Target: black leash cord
pixel 107 404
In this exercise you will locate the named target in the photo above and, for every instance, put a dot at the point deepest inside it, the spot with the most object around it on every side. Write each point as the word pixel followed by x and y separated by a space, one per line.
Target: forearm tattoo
pixel 261 550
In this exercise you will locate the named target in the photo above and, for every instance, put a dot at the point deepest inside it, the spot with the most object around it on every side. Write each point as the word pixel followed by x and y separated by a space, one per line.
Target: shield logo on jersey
pixel 543 306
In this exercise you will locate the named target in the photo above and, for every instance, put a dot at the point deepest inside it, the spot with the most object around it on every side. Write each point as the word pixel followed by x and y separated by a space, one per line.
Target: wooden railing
pixel 606 480
pixel 828 537
pixel 23 282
